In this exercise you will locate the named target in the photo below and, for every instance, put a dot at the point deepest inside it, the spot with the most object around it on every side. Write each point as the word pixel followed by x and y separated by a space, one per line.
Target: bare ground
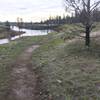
pixel 23 84
pixel 24 81
pixel 93 34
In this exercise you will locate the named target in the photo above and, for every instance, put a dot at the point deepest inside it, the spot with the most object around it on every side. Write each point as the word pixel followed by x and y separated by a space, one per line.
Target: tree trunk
pixel 88 25
pixel 87 39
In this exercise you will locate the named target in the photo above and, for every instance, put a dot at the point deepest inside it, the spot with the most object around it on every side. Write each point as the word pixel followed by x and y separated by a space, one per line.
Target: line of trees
pixel 83 11
pixel 57 20
pixel 86 11
pixel 74 18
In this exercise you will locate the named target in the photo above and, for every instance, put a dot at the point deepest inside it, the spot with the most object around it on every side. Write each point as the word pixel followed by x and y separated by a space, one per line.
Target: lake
pixel 28 32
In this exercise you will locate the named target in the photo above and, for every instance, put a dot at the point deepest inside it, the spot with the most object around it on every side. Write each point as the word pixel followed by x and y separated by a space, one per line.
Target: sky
pixel 30 10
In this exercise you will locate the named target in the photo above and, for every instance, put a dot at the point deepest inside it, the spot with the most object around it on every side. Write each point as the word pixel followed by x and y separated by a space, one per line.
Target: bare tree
pixel 19 23
pixel 85 9
pixel 7 25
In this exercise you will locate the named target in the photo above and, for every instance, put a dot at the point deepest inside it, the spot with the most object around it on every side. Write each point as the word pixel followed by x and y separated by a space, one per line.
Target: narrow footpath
pixel 23 78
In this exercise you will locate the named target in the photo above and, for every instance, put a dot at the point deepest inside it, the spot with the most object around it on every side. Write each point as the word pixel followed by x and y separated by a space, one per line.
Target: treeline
pixel 53 22
pixel 58 20
pixel 74 18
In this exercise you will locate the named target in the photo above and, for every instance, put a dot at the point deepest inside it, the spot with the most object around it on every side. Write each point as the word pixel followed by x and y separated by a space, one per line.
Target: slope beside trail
pixel 23 82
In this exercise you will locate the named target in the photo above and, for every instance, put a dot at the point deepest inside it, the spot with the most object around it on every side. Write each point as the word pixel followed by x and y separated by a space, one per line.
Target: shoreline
pixel 8 34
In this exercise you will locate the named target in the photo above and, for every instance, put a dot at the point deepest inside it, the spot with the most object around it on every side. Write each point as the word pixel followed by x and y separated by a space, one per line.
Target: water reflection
pixel 4 41
pixel 28 32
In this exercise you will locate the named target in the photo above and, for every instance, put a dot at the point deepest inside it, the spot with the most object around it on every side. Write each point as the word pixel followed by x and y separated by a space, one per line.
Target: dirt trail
pixel 23 78
pixel 93 34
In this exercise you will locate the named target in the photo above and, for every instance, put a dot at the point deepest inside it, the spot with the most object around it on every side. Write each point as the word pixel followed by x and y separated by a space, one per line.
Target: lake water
pixel 28 32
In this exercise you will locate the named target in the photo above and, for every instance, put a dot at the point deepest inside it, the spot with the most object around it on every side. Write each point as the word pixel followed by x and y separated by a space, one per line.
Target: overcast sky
pixel 34 10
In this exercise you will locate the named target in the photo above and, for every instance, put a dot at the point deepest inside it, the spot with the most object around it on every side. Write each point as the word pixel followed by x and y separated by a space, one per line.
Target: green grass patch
pixel 69 71
pixel 8 54
pixel 97 26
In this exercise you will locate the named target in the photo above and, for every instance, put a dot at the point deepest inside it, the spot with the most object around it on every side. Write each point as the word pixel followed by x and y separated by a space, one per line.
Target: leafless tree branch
pixel 95 5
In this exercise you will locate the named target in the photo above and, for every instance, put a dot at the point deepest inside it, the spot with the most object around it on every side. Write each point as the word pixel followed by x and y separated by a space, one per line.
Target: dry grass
pixel 69 71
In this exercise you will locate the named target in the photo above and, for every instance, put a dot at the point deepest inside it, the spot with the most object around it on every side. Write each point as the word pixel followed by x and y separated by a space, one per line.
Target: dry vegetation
pixel 66 70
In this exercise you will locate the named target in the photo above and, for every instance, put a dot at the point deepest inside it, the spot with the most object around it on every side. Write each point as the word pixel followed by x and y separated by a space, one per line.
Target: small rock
pixel 59 81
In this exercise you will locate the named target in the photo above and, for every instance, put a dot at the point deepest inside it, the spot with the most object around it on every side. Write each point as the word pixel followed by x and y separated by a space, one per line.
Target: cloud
pixel 31 8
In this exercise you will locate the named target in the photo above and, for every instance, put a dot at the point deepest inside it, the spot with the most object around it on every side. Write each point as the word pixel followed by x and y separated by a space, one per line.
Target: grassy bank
pixel 68 70
pixel 7 34
pixel 8 54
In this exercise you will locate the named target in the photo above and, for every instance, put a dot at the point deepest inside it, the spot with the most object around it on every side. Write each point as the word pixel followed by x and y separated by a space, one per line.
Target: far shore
pixel 7 34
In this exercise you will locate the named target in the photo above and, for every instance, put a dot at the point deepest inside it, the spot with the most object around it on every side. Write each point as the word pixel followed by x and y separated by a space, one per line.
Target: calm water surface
pixel 28 32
